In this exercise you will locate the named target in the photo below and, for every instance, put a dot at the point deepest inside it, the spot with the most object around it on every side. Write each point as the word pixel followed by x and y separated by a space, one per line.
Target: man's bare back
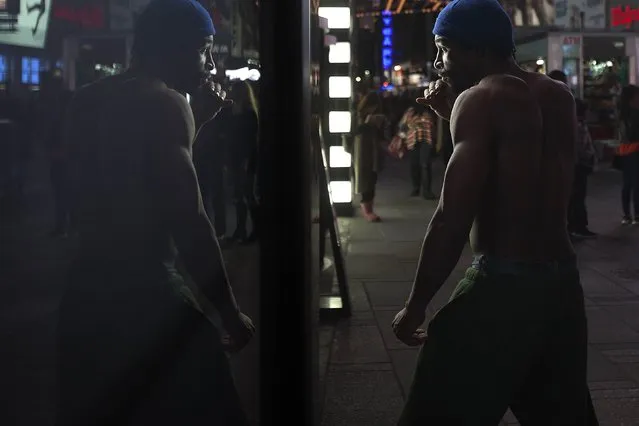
pixel 522 215
pixel 115 129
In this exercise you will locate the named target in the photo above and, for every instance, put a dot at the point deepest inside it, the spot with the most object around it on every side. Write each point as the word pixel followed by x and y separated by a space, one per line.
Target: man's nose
pixel 439 65
pixel 210 65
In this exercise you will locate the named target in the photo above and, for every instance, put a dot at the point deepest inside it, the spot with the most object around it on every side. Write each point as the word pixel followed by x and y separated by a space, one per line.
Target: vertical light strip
pixel 340 89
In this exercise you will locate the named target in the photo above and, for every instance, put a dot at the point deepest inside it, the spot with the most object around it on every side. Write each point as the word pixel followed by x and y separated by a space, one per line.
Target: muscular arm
pixel 464 182
pixel 182 203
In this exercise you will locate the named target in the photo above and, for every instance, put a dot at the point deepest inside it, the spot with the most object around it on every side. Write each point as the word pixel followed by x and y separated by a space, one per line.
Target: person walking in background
pixel 628 152
pixel 54 100
pixel 586 158
pixel 416 128
pixel 372 132
pixel 209 158
pixel 558 75
pixel 242 135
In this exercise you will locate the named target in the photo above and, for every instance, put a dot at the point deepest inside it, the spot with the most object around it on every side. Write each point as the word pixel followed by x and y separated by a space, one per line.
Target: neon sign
pixel 387 40
pixel 620 16
pixel 89 16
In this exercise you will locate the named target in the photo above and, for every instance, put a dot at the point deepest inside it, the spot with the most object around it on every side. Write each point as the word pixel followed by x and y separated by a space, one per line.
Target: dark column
pixel 287 311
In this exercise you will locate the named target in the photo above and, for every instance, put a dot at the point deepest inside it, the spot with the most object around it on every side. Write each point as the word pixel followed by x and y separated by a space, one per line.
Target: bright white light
pixel 358 79
pixel 540 61
pixel 397 67
pixel 339 53
pixel 341 191
pixel 243 74
pixel 339 121
pixel 339 87
pixel 367 72
pixel 338 17
pixel 339 157
pixel 188 98
pixel 609 63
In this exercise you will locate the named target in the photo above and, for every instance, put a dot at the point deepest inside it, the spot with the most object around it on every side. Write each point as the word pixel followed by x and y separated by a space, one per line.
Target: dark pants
pixel 421 167
pixel 59 175
pixel 211 178
pixel 513 334
pixel 577 212
pixel 244 196
pixel 369 196
pixel 630 171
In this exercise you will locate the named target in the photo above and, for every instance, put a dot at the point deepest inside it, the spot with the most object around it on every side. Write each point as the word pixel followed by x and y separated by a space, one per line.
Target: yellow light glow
pixel 338 17
pixel 339 121
pixel 339 53
pixel 341 191
pixel 339 157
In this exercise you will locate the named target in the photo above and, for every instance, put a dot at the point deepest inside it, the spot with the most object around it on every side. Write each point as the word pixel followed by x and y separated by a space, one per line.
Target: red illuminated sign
pixel 89 16
pixel 623 16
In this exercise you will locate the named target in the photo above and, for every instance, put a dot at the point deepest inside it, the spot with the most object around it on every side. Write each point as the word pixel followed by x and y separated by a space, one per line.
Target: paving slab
pixel 610 278
pixel 371 398
pixel 358 345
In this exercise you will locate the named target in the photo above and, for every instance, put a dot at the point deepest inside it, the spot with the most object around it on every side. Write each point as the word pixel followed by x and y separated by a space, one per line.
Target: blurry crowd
pixel 225 155
pixel 393 124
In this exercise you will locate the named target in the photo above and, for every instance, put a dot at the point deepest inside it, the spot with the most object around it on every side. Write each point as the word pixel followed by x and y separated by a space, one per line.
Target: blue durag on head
pixel 478 24
pixel 173 22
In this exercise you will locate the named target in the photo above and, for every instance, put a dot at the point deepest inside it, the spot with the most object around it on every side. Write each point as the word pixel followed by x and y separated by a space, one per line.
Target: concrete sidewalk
pixel 366 371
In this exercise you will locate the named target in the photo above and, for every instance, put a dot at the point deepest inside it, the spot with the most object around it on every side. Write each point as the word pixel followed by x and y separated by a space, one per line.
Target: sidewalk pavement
pixel 32 267
pixel 366 371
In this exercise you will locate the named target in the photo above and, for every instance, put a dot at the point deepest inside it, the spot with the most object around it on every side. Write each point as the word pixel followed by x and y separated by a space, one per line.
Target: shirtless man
pixel 134 344
pixel 514 331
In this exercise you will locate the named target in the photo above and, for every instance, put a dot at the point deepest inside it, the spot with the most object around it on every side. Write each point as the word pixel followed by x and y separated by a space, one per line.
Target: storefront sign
pixel 569 40
pixel 580 14
pixel 529 13
pixel 122 13
pixel 621 16
pixel 88 16
pixel 387 40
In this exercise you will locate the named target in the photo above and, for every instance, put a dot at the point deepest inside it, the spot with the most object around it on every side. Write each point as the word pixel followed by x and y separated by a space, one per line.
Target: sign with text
pixel 532 13
pixel 387 40
pixel 624 16
pixel 27 25
pixel 571 40
pixel 123 13
pixel 569 14
pixel 90 16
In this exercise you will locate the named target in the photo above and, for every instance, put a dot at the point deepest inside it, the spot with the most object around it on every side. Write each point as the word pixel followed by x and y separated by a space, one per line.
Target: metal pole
pixel 581 68
pixel 286 300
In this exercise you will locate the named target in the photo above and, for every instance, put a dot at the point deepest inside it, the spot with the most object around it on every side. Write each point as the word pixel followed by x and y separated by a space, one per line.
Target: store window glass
pixel 30 71
pixel 4 71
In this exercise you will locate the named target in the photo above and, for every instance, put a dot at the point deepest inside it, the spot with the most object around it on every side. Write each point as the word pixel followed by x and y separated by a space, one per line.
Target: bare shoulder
pixel 550 90
pixel 170 111
pixel 502 82
pixel 499 93
pixel 470 111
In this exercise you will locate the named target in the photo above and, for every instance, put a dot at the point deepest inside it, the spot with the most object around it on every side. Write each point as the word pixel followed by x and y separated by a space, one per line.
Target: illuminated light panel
pixel 339 53
pixel 387 40
pixel 339 121
pixel 339 157
pixel 341 191
pixel 338 17
pixel 339 87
